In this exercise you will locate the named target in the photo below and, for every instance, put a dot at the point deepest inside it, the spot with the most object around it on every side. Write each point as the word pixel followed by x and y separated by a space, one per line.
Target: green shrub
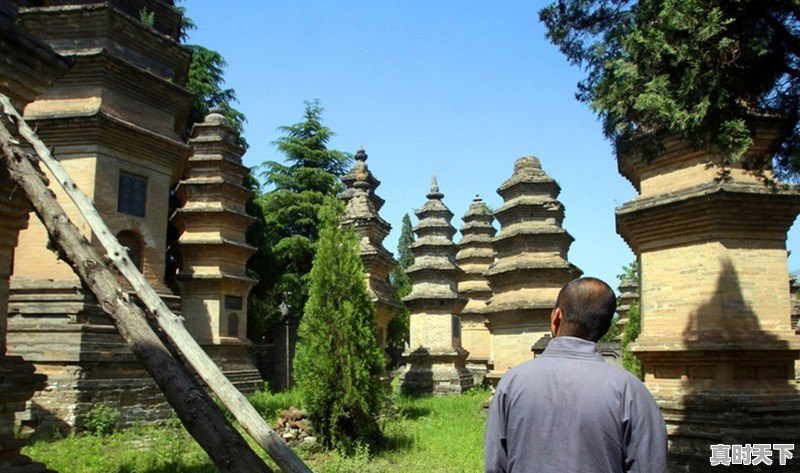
pixel 101 420
pixel 147 17
pixel 338 359
pixel 632 330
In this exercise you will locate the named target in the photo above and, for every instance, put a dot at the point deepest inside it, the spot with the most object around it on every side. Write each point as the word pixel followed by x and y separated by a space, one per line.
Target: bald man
pixel 568 411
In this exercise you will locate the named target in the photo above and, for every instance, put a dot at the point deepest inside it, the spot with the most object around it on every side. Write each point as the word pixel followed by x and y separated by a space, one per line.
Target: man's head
pixel 584 309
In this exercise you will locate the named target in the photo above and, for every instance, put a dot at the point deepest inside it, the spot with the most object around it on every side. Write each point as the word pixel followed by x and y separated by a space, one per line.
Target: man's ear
pixel 555 321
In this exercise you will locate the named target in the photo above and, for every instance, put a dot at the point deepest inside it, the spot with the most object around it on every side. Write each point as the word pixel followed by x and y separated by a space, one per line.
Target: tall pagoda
pixel 436 360
pixel 212 222
pixel 115 122
pixel 362 205
pixel 475 255
pixel 531 265
pixel 717 345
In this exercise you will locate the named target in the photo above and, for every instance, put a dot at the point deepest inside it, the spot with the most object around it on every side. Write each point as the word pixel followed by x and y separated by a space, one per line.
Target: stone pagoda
pixel 716 345
pixel 475 255
pixel 115 122
pixel 435 359
pixel 28 68
pixel 531 265
pixel 212 222
pixel 362 205
pixel 628 294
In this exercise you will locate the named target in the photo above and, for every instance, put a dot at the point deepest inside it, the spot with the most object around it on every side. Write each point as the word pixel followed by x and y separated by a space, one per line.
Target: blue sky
pixel 460 89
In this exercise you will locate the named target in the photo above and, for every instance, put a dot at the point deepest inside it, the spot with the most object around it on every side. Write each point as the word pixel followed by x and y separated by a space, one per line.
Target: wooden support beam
pixel 195 408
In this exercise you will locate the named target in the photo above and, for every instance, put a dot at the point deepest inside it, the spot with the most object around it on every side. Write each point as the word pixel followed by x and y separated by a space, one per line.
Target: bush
pixel 101 420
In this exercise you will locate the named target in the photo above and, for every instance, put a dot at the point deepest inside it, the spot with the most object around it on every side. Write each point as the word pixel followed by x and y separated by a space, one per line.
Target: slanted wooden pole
pixel 170 324
pixel 198 413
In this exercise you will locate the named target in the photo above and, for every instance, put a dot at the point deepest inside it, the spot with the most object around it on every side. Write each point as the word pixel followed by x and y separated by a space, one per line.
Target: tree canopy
pixel 338 359
pixel 206 81
pixel 288 224
pixel 705 70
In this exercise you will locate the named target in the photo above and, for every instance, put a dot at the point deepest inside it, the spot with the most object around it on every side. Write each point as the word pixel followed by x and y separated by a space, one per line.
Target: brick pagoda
pixel 362 207
pixel 435 359
pixel 717 346
pixel 531 265
pixel 475 255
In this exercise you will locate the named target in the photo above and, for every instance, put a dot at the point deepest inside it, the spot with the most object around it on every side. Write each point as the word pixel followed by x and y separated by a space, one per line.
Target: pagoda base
pixel 19 382
pixel 236 359
pixel 62 332
pixel 513 335
pixel 437 372
pixel 712 397
pixel 478 367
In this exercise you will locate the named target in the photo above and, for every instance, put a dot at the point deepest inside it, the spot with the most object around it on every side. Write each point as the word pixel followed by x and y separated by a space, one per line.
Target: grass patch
pixel 430 434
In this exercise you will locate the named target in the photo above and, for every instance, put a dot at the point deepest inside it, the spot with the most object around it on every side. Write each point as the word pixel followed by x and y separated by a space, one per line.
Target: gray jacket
pixel 568 411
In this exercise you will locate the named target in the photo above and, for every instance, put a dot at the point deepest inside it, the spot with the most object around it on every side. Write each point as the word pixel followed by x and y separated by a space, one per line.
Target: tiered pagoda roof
pixel 362 206
pixel 475 255
pixel 532 246
pixel 434 274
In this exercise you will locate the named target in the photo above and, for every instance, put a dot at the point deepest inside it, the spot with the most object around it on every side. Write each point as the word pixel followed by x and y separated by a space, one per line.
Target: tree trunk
pixel 198 413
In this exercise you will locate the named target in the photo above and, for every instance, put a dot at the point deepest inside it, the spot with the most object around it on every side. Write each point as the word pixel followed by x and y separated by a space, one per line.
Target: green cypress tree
pixel 288 223
pixel 338 359
pixel 398 331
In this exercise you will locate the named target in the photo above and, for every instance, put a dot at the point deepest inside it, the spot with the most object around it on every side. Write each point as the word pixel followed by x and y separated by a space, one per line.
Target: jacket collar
pixel 572 347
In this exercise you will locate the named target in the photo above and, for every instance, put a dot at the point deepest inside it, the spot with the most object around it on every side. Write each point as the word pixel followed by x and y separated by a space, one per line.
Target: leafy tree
pixel 206 82
pixel 262 267
pixel 288 222
pixel 632 330
pixel 398 331
pixel 634 327
pixel 338 358
pixel 706 70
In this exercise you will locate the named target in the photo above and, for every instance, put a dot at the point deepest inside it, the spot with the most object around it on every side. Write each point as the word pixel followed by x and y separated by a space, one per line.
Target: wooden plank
pixel 195 408
pixel 167 321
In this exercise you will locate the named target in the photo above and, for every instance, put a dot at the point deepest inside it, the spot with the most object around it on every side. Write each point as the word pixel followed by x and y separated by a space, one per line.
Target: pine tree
pixel 288 223
pixel 206 82
pixel 398 331
pixel 338 359
pixel 702 69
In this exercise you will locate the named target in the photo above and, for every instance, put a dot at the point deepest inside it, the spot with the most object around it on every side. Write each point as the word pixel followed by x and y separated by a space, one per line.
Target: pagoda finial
pixel 216 115
pixel 434 193
pixel 527 162
pixel 361 154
